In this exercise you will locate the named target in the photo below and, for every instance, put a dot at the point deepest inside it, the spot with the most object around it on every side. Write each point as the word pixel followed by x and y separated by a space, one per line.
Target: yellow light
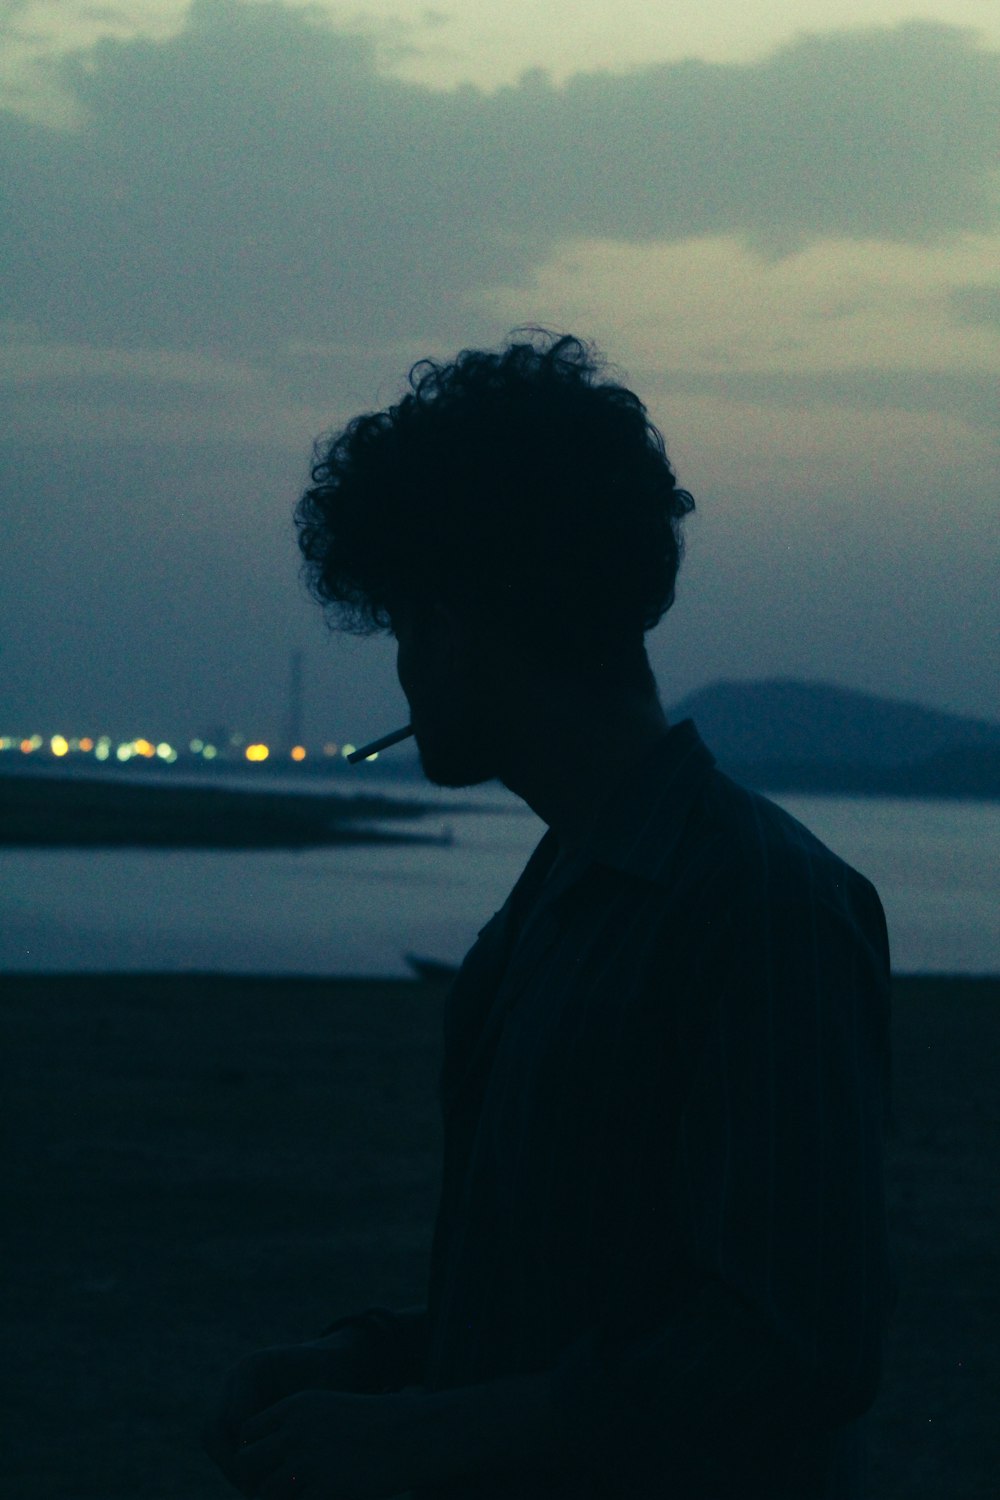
pixel 124 752
pixel 87 743
pixel 373 756
pixel 143 747
pixel 210 752
pixel 298 752
pixel 165 751
pixel 102 752
pixel 58 744
pixel 347 750
pixel 257 752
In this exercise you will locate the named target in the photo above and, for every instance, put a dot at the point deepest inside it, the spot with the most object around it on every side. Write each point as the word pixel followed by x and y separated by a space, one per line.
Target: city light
pixel 233 747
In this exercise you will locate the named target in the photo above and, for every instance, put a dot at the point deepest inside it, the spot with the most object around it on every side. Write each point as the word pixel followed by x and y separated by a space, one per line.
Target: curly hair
pixel 523 487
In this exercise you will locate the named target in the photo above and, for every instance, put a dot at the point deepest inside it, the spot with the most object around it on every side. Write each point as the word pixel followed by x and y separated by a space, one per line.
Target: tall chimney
pixel 293 724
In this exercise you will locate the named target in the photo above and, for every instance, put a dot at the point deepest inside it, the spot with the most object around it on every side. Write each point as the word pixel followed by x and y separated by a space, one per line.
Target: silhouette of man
pixel 659 1261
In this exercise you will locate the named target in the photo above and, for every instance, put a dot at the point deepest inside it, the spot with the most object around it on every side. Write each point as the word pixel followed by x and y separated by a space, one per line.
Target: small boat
pixel 430 968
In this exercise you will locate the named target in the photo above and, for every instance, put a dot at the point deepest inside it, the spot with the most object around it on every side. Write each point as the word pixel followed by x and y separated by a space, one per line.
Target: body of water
pixel 359 909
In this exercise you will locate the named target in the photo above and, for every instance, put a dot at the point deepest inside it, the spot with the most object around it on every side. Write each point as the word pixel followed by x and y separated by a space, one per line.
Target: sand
pixel 200 1166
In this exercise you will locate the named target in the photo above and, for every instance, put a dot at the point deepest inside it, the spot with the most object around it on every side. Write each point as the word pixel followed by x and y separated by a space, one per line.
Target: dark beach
pixel 198 1166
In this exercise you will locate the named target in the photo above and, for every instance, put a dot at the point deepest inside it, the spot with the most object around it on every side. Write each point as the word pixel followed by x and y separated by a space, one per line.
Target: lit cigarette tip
pixel 382 744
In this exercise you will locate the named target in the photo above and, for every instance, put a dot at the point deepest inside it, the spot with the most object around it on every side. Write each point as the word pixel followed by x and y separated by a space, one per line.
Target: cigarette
pixel 382 744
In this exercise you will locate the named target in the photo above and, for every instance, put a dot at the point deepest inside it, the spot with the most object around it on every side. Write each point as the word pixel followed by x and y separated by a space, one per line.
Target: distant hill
pixel 785 735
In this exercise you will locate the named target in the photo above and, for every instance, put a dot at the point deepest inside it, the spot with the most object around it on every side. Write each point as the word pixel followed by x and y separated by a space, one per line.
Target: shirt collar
pixel 636 828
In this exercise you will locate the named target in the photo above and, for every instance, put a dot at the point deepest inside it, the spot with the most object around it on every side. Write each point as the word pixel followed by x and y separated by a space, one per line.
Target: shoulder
pixel 747 859
pixel 780 936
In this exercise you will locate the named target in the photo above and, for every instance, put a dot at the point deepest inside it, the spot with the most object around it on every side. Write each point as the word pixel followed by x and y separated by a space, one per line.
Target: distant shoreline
pixel 777 735
pixel 43 809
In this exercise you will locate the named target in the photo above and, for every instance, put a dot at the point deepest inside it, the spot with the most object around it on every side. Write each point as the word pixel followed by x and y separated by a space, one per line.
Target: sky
pixel 230 225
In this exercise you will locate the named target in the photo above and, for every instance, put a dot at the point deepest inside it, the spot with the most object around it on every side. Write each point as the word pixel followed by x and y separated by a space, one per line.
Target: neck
pixel 565 747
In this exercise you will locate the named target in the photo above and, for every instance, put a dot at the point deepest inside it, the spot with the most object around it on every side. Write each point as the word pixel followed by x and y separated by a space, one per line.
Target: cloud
pixel 970 394
pixel 977 305
pixel 254 180
pixel 10 11
pixel 23 361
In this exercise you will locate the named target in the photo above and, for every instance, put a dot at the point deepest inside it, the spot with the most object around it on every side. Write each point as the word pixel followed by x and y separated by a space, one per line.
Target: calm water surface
pixel 360 910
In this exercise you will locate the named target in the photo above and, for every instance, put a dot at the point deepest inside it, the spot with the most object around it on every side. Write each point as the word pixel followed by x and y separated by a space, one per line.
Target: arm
pixel 394 1344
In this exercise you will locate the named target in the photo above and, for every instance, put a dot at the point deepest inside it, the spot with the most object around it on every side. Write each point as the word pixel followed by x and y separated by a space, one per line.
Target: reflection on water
pixel 357 910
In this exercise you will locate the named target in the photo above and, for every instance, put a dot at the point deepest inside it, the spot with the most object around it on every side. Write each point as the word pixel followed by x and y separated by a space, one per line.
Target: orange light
pixel 298 752
pixel 257 752
pixel 86 743
pixel 143 747
pixel 26 747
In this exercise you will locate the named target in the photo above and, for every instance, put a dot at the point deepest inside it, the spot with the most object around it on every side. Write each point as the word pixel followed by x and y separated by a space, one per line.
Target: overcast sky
pixel 230 225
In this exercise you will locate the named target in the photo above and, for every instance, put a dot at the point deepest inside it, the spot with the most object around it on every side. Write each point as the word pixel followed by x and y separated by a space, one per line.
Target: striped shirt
pixel 664 1086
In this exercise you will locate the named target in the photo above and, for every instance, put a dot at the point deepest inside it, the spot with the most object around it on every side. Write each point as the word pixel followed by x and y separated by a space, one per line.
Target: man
pixel 659 1262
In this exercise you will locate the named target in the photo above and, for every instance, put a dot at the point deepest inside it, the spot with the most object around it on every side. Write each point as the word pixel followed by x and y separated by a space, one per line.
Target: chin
pixel 450 767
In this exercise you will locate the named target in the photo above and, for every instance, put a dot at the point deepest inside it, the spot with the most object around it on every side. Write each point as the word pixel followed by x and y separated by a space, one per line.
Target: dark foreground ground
pixel 196 1167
